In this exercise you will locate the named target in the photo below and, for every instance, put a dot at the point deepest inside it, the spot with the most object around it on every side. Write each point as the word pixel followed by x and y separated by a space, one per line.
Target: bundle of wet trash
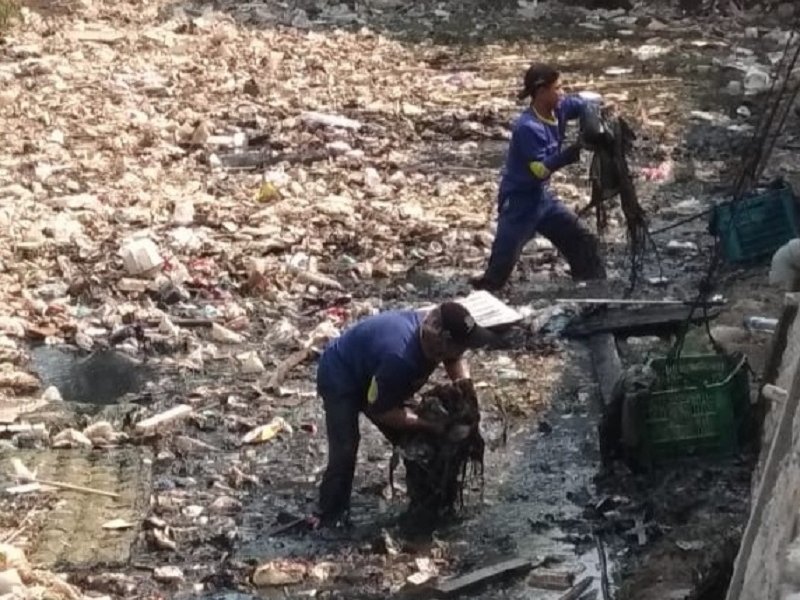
pixel 438 468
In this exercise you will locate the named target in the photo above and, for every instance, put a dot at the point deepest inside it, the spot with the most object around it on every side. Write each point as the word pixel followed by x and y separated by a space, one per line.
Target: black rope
pixel 754 161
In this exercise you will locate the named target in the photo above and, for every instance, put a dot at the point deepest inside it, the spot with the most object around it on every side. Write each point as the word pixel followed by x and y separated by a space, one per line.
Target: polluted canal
pixel 217 192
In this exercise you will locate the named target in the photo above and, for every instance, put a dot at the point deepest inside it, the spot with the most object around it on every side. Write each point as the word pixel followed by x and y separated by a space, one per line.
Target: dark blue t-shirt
pixel 536 139
pixel 378 362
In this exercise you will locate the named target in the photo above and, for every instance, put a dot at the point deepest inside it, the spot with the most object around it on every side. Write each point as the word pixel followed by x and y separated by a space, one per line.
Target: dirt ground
pixel 122 112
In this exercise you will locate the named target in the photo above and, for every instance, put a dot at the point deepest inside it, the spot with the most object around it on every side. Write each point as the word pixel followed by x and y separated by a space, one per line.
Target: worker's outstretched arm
pixel 534 145
pixel 573 107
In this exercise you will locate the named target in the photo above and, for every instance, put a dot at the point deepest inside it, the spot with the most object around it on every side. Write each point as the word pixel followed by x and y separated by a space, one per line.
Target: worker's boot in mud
pixel 334 526
pixel 485 283
pixel 585 260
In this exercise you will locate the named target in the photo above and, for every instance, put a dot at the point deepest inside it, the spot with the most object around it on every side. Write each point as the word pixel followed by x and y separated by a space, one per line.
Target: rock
pixel 168 574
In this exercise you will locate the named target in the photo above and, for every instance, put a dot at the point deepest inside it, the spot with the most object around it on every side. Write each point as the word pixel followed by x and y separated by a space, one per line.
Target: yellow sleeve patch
pixel 539 170
pixel 372 392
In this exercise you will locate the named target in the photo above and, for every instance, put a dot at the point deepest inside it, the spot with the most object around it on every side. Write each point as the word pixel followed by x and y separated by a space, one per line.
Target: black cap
pixel 537 76
pixel 459 324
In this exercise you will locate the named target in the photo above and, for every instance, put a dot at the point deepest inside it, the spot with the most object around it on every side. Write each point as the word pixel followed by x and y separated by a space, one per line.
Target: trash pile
pixel 436 467
pixel 213 193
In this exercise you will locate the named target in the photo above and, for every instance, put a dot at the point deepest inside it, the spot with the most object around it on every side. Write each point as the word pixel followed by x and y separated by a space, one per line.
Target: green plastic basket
pixel 752 229
pixel 696 409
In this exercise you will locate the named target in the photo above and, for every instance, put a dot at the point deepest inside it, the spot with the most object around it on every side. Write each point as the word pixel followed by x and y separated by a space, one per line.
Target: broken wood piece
pixel 458 585
pixel 634 302
pixel 577 591
pixel 551 579
pixel 289 363
pixel 316 278
pixel 173 414
pixel 300 522
pixel 641 321
pixel 773 393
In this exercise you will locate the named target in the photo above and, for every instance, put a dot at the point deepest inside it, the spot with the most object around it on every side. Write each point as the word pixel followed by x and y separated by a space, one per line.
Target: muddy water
pixel 536 488
pixel 102 377
pixel 535 507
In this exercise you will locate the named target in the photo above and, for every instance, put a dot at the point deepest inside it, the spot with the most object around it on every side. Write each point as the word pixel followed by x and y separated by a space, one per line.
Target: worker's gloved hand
pixel 568 156
pixel 467 387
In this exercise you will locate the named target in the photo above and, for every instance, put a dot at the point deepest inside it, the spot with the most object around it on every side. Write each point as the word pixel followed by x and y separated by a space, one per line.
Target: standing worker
pixel 526 204
pixel 376 367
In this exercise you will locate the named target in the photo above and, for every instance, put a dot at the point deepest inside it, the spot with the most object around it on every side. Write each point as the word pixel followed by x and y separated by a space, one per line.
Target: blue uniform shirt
pixel 378 362
pixel 535 139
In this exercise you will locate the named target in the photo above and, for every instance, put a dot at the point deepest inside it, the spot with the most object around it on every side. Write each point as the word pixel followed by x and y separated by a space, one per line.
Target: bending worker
pixel 376 367
pixel 526 204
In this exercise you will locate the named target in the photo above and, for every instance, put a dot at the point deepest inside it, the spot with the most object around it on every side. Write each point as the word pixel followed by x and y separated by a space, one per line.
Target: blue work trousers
pixel 521 217
pixel 343 405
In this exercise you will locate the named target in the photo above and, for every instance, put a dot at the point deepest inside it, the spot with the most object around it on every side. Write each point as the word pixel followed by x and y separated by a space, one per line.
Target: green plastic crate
pixel 696 409
pixel 752 229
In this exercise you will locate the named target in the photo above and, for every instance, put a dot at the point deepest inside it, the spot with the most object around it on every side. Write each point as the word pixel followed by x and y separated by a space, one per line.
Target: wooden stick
pixel 287 365
pixel 77 488
pixel 67 486
pixel 633 301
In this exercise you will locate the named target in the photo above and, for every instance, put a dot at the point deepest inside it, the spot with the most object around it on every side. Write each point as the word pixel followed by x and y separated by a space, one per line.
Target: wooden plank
pixel 651 320
pixel 633 301
pixel 464 583
pixel 578 590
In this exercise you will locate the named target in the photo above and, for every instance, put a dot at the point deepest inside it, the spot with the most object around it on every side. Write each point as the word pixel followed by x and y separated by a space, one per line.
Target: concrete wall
pixel 768 564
